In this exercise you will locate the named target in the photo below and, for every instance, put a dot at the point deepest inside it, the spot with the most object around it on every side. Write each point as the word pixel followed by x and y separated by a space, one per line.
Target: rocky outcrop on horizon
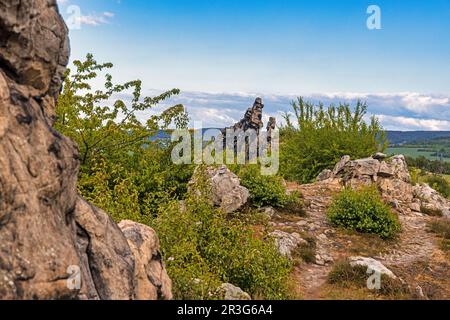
pixel 53 243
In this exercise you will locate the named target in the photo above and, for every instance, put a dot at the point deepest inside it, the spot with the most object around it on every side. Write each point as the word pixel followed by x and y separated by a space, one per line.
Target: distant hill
pixel 404 137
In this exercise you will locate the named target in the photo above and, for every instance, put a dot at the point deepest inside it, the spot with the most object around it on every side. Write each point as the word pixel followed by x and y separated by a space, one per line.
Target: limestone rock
pixel 363 167
pixel 287 242
pixel 231 292
pixel 400 168
pixel 226 190
pixel 385 170
pixel 341 164
pixel 151 281
pixel 372 264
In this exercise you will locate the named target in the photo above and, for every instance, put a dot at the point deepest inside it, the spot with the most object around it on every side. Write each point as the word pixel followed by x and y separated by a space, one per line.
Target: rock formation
pixel 226 190
pixel 252 121
pixel 50 238
pixel 391 176
pixel 252 118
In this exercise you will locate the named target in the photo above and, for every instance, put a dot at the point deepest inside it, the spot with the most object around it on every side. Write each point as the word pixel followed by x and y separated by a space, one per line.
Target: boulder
pixel 400 168
pixel 341 164
pixel 109 258
pixel 151 281
pixel 363 167
pixel 230 292
pixel 226 190
pixel 431 200
pixel 287 242
pixel 53 243
pixel 372 265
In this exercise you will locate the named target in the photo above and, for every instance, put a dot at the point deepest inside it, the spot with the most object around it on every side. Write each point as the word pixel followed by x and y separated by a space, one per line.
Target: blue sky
pixel 222 53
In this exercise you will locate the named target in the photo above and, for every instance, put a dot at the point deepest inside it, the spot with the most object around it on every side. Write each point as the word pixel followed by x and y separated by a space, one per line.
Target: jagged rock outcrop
pixel 151 281
pixel 226 190
pixel 287 242
pixel 252 118
pixel 53 244
pixel 391 176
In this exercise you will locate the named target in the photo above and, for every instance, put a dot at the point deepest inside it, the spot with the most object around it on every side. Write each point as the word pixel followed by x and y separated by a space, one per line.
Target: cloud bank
pixel 397 111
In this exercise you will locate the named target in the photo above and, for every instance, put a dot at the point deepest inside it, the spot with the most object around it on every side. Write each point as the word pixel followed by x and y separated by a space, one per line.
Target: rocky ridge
pixel 53 243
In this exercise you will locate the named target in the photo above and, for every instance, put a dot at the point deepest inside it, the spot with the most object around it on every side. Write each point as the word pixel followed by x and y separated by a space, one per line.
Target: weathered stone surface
pixel 231 292
pixel 111 261
pixel 431 200
pixel 38 167
pixel 400 168
pixel 49 237
pixel 226 190
pixel 340 165
pixel 287 242
pixel 385 170
pixel 325 175
pixel 372 264
pixel 151 281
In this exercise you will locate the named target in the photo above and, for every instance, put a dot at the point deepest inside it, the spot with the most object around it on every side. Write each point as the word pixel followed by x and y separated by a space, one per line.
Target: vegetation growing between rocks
pixel 267 190
pixel 363 211
pixel 130 175
pixel 345 275
pixel 204 248
pixel 122 170
pixel 318 137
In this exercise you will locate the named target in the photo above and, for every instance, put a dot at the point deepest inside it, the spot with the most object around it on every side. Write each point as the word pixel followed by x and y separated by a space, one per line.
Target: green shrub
pixel 439 184
pixel 318 137
pixel 363 211
pixel 266 190
pixel 203 248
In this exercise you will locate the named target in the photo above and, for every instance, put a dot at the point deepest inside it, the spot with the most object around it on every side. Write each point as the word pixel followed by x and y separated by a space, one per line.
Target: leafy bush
pixel 266 190
pixel 363 211
pixel 319 137
pixel 439 184
pixel 204 248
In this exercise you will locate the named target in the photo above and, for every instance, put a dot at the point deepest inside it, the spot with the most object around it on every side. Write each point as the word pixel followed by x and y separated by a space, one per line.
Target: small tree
pixel 103 124
pixel 122 170
pixel 318 137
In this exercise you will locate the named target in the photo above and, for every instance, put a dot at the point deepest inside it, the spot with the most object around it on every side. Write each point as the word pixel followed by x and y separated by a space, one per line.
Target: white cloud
pixel 108 14
pixel 406 124
pixel 396 111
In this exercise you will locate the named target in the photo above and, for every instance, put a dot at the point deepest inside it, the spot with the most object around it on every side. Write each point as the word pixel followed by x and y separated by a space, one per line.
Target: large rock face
pixel 49 236
pixel 151 281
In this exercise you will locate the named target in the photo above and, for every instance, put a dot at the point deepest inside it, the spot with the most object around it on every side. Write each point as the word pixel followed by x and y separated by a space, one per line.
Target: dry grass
pixel 343 275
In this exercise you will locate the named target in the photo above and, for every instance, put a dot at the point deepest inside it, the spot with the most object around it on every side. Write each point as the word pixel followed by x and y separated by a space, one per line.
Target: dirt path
pixel 414 245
